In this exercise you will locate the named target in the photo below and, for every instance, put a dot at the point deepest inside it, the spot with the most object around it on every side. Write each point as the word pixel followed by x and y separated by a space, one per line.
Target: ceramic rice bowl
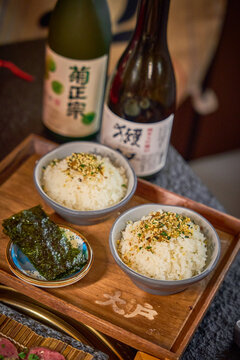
pixel 92 216
pixel 165 287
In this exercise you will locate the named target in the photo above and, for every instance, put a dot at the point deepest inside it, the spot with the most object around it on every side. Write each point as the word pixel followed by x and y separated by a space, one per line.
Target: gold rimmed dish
pixel 20 265
pixel 61 322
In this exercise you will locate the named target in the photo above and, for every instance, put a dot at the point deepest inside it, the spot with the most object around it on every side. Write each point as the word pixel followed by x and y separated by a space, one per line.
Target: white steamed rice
pixel 93 190
pixel 164 245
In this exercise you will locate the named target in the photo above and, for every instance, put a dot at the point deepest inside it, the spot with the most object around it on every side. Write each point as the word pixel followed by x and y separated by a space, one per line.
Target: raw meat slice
pixel 7 349
pixel 45 354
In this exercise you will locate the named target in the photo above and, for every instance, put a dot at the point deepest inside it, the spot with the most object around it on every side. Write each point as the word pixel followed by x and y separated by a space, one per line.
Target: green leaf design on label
pixel 50 64
pixel 87 119
pixel 57 87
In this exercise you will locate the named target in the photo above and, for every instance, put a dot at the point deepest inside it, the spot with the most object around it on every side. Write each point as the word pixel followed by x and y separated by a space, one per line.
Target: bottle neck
pixel 152 21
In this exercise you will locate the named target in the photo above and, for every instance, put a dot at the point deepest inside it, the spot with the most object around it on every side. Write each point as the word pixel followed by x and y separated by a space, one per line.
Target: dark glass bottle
pixel 76 66
pixel 140 100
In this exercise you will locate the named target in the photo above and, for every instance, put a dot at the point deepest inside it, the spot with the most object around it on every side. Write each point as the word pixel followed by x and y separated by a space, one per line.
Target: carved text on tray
pixel 128 309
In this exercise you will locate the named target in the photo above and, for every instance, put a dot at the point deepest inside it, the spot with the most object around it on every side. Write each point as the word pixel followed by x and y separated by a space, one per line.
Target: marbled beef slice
pixel 7 349
pixel 46 354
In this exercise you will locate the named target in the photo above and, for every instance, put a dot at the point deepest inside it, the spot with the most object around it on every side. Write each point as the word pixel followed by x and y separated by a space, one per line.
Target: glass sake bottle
pixel 76 67
pixel 140 100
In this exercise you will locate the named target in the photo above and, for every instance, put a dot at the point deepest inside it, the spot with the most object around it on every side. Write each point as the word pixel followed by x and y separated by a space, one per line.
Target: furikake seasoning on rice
pixel 164 245
pixel 84 182
pixel 44 243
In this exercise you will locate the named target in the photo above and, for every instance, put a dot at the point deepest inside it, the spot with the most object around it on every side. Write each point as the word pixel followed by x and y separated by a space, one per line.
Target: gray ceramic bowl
pixel 165 287
pixel 85 217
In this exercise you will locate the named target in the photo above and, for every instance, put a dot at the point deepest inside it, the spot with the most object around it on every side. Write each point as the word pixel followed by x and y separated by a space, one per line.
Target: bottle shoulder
pixel 80 29
pixel 143 88
pixel 145 56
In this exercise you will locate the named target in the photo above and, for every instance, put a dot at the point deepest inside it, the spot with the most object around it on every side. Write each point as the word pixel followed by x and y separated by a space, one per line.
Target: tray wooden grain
pixel 166 333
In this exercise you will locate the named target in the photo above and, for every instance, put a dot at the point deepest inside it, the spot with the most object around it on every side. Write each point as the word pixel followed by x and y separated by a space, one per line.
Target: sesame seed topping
pixel 163 226
pixel 88 165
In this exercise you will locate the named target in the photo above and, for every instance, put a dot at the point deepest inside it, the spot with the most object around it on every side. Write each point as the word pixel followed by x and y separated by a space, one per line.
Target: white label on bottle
pixel 144 144
pixel 73 94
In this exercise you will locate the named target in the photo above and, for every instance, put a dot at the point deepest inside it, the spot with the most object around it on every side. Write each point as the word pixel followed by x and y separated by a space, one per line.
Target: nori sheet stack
pixel 44 243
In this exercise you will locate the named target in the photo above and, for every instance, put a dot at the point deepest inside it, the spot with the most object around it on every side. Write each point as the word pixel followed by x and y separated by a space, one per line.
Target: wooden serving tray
pixel 106 299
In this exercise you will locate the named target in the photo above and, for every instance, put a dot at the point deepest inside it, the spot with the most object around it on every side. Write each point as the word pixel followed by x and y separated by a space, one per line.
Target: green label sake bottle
pixel 76 67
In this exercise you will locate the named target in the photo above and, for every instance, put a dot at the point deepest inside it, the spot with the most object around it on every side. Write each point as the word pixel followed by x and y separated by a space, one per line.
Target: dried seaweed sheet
pixel 44 243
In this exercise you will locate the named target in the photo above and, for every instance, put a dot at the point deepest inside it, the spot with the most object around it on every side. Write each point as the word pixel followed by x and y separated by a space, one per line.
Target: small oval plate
pixel 21 266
